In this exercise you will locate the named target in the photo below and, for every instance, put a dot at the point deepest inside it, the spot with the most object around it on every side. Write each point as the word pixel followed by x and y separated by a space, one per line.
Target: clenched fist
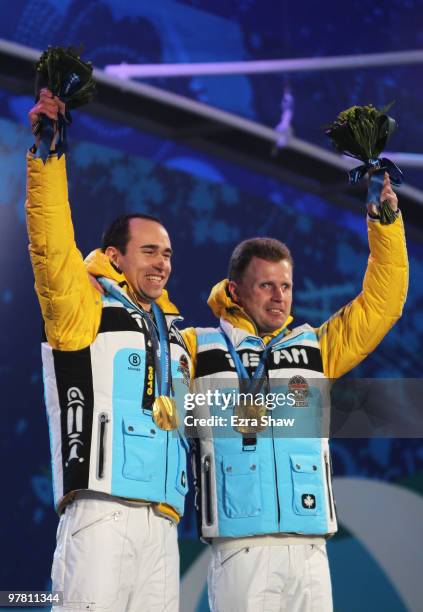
pixel 48 105
pixel 387 194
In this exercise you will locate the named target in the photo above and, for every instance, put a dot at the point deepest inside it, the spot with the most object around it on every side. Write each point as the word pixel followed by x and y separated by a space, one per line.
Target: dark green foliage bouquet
pixel 362 132
pixel 62 71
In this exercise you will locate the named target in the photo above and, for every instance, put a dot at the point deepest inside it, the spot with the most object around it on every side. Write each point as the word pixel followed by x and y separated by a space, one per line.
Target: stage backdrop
pixel 208 206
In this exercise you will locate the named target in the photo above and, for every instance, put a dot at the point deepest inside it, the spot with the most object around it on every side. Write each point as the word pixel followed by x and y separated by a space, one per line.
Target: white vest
pixel 99 400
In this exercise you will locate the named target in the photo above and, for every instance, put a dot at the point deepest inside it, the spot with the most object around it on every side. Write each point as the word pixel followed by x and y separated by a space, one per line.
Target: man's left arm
pixel 356 330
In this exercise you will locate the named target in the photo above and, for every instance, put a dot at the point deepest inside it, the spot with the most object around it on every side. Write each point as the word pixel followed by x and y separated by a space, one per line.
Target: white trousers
pixel 115 556
pixel 281 578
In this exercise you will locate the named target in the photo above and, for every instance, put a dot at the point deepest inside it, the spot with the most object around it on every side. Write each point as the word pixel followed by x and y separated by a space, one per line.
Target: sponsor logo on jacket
pixel 75 408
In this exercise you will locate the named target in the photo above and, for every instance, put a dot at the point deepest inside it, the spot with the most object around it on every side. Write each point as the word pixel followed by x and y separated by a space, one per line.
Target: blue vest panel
pixel 268 482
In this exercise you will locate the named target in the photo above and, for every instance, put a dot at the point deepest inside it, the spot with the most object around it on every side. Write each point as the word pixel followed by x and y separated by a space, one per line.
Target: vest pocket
pixel 306 471
pixel 242 495
pixel 143 453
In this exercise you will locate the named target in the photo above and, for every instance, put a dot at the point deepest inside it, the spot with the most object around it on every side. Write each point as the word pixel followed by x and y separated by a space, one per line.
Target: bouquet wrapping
pixel 362 132
pixel 62 71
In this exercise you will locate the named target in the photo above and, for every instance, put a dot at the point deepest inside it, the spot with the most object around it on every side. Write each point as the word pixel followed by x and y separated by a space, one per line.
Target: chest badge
pixel 308 501
pixel 183 368
pixel 298 386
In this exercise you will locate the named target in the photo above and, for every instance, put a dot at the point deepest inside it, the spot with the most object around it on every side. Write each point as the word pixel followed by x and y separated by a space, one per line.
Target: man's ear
pixel 233 291
pixel 113 254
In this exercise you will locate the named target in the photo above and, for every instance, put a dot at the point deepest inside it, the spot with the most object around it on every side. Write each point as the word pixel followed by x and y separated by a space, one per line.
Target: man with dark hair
pixel 117 234
pixel 111 367
pixel 265 499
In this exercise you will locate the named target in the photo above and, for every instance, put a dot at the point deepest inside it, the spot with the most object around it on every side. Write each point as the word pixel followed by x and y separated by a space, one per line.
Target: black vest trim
pixel 76 398
pixel 117 319
pixel 293 357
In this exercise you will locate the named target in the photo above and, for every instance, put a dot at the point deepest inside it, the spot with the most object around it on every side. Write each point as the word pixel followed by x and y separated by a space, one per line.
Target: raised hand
pixel 387 195
pixel 48 105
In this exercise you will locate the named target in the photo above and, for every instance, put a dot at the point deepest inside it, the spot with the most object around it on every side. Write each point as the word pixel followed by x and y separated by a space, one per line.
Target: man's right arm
pixel 71 307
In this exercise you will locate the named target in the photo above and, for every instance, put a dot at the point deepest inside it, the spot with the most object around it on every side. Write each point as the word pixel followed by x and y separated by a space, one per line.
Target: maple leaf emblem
pixel 308 501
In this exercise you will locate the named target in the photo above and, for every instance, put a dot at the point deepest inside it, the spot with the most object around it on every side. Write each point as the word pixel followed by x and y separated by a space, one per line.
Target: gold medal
pixel 165 414
pixel 248 418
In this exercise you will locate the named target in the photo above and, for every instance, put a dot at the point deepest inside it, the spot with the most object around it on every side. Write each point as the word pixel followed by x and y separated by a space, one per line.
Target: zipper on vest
pixel 328 487
pixel 103 419
pixel 207 491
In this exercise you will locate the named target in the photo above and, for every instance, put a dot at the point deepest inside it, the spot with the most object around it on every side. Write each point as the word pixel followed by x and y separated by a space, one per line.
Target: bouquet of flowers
pixel 62 71
pixel 362 132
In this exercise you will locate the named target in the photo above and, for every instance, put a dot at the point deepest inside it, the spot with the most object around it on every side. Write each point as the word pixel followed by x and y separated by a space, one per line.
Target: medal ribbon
pixel 255 381
pixel 159 340
pixel 161 349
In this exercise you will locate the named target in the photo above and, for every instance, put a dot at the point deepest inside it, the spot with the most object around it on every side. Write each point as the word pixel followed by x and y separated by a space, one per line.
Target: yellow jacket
pixel 356 329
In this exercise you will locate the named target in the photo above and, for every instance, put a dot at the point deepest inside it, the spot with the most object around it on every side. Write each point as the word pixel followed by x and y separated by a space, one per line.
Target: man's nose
pixel 160 262
pixel 277 294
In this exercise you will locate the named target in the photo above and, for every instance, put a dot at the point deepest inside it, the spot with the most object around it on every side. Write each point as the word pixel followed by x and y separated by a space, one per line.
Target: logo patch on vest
pixel 134 359
pixel 308 501
pixel 183 368
pixel 75 409
pixel 298 386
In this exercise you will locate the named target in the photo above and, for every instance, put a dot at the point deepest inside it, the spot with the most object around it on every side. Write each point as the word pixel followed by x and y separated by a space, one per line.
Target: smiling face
pixel 265 293
pixel 146 262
